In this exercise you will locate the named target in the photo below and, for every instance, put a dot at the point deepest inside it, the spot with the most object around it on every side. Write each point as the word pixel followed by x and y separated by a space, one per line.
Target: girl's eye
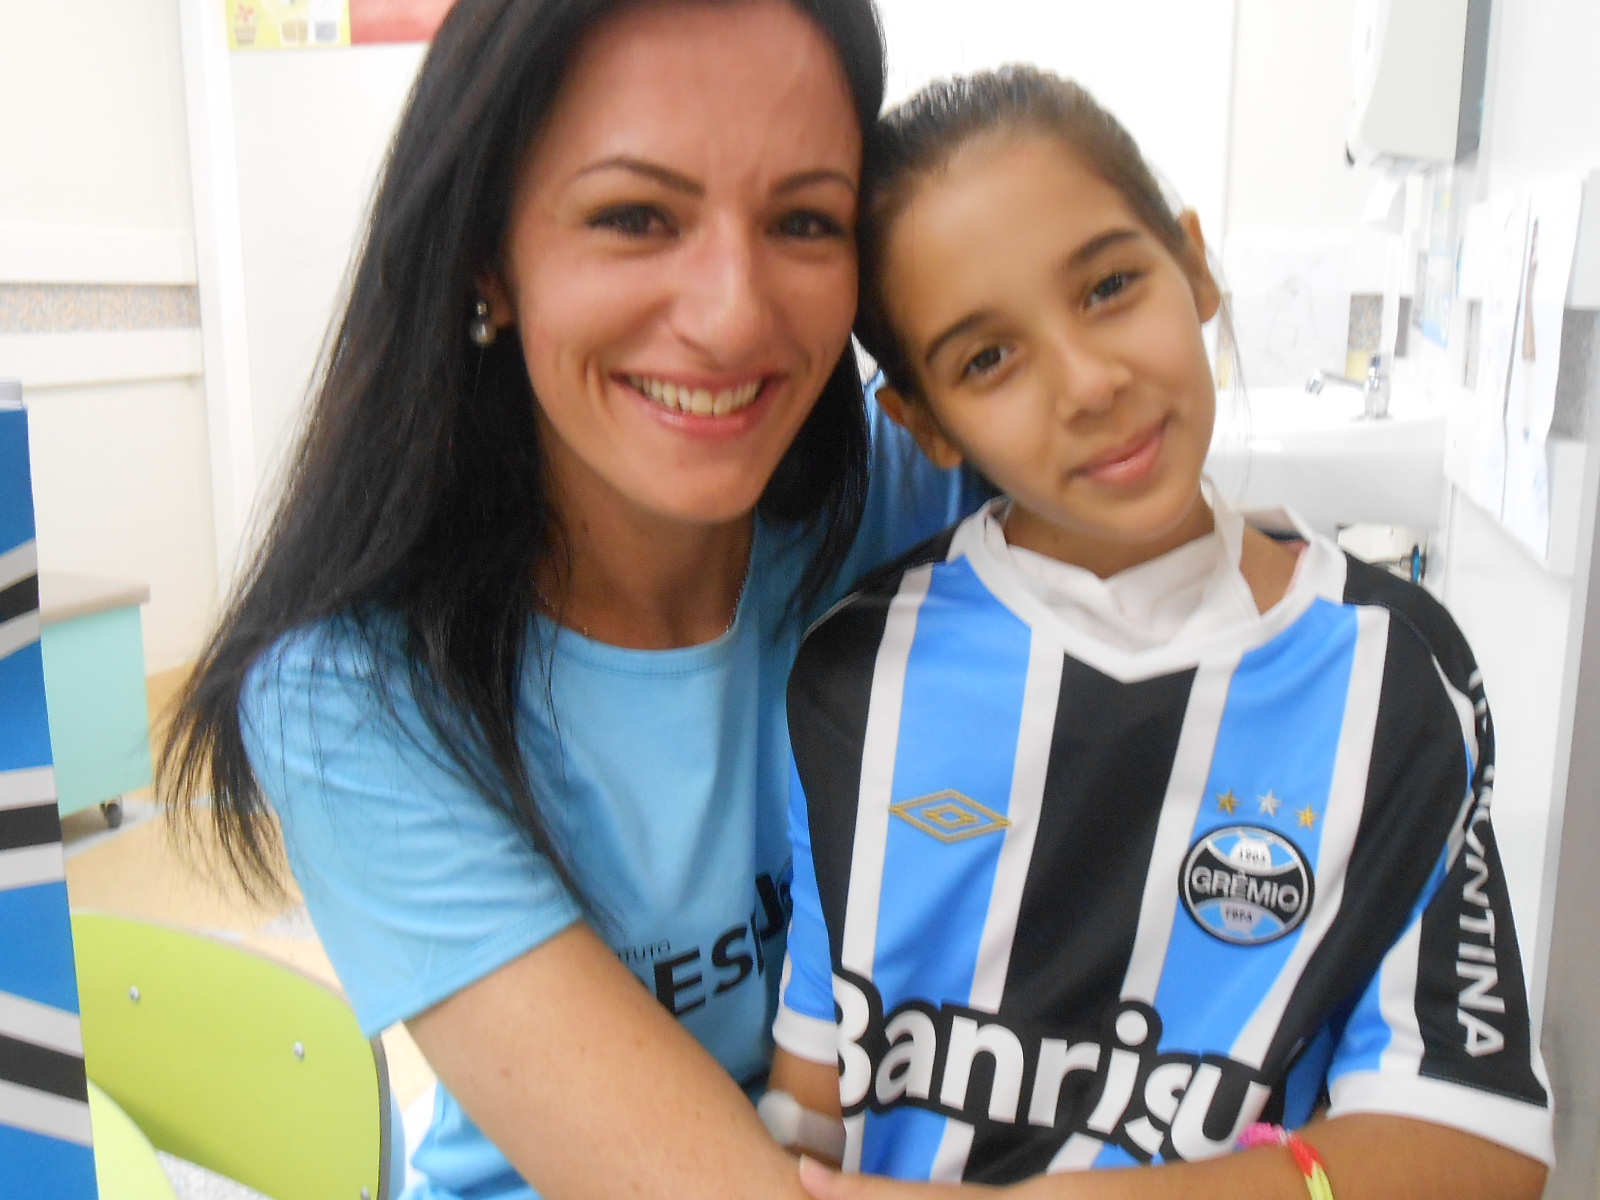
pixel 1111 286
pixel 810 225
pixel 632 220
pixel 984 362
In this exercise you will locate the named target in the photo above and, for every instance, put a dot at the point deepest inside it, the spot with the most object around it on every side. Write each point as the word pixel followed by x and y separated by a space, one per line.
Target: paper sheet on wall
pixel 1437 291
pixel 1290 304
pixel 1494 260
pixel 1552 240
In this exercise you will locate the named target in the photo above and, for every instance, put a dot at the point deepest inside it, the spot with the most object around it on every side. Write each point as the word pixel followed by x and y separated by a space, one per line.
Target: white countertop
pixel 64 596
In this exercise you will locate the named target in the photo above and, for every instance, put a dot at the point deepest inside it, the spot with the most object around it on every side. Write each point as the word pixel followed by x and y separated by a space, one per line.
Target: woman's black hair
pixel 415 506
pixel 918 138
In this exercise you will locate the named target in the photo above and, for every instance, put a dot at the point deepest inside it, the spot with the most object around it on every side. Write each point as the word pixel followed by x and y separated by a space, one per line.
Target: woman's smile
pixel 698 399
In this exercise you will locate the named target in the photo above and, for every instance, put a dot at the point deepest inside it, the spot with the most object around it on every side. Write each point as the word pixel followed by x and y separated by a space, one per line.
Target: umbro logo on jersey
pixel 949 816
pixel 1246 884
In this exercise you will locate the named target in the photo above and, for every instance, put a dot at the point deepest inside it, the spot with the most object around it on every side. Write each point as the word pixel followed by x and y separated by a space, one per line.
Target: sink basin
pixel 1317 456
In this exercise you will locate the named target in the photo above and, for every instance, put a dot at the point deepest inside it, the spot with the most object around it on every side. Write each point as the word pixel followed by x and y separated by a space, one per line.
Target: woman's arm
pixel 1367 1158
pixel 591 1089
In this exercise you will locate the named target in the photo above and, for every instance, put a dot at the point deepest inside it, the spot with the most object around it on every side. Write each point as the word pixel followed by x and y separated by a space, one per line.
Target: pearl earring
pixel 480 330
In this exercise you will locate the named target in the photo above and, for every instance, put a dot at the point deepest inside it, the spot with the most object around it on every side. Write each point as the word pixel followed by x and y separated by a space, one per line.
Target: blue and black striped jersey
pixel 1058 905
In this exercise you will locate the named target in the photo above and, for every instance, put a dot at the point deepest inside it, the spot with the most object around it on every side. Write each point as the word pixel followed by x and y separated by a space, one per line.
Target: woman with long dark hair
pixel 587 453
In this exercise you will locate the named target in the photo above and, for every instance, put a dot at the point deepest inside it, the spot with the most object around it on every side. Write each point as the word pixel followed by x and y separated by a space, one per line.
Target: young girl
pixel 1121 825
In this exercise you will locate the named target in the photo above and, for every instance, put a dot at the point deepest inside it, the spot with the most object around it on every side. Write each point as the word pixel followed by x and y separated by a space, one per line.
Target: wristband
pixel 798 1128
pixel 1305 1156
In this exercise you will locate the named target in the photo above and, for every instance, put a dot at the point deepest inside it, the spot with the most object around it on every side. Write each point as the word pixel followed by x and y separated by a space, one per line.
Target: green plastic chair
pixel 125 1163
pixel 237 1063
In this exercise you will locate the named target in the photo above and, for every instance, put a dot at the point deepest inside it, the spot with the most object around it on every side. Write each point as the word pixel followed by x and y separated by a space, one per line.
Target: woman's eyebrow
pixel 669 178
pixel 804 179
pixel 654 171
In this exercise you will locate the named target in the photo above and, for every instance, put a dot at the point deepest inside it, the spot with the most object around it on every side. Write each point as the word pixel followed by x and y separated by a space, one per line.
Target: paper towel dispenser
pixel 1418 68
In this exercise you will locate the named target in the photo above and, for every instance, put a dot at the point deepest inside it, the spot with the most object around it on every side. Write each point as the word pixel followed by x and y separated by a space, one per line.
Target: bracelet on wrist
pixel 1305 1155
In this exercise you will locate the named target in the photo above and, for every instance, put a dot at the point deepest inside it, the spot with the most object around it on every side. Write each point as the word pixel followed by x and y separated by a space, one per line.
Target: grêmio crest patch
pixel 1246 884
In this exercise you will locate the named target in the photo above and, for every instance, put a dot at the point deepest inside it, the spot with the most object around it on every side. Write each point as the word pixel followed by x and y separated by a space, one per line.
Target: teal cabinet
pixel 94 687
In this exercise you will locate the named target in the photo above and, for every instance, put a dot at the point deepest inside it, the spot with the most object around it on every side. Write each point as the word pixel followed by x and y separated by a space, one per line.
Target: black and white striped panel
pixel 19 598
pixel 30 829
pixel 45 1133
pixel 42 1084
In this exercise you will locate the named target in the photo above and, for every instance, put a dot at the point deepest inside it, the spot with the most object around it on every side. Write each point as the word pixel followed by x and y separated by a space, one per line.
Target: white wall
pixel 311 129
pixel 1162 66
pixel 1544 99
pixel 121 489
pixel 1295 250
pixel 94 188
pixel 92 147
pixel 1542 118
pixel 1291 103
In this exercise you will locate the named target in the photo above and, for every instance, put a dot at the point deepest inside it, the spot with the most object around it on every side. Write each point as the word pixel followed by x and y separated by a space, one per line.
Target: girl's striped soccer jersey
pixel 1059 903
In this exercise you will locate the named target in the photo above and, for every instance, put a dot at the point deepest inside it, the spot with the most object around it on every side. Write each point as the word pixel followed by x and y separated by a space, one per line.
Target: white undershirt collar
pixel 1191 592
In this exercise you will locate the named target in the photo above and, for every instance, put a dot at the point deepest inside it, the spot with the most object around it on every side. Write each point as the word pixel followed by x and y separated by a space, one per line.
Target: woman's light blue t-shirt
pixel 664 777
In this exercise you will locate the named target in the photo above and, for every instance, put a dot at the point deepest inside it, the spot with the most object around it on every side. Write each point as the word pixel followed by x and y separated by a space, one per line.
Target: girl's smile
pixel 1128 463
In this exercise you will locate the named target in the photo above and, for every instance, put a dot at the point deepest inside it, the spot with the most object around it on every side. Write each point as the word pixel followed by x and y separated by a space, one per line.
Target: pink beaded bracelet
pixel 1305 1156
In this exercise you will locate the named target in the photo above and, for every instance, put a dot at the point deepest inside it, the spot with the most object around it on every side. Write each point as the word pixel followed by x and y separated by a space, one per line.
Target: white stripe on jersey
pixel 1347 800
pixel 882 743
pixel 1077 1153
pixel 1525 1127
pixel 1035 732
pixel 815 1039
pixel 955 1147
pixel 1469 732
pixel 1397 1001
pixel 1462 703
pixel 855 1129
pixel 1180 808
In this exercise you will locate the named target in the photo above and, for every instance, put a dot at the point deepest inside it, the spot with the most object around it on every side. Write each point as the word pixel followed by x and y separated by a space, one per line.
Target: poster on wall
pixel 1497 250
pixel 396 20
pixel 1546 271
pixel 287 24
pixel 1436 283
pixel 45 1147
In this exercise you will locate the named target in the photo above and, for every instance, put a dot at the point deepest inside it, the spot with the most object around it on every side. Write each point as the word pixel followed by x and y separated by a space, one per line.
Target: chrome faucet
pixel 1374 388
